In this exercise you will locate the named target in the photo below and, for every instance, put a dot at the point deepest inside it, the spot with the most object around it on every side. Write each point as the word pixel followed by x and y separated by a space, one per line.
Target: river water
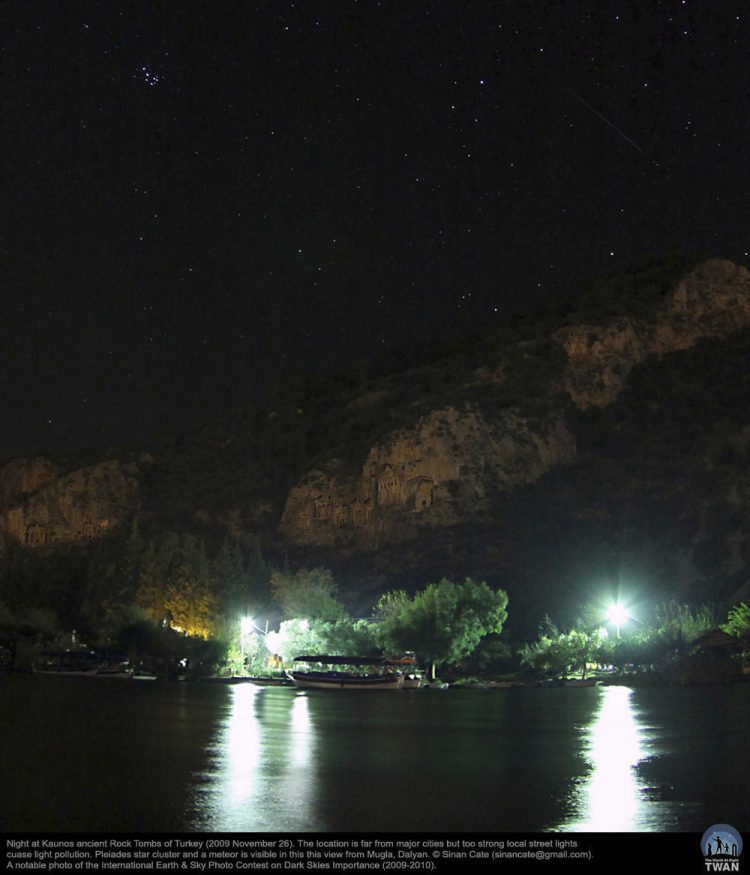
pixel 113 756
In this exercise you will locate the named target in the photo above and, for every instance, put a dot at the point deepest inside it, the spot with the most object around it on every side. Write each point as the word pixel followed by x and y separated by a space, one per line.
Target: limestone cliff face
pixel 446 468
pixel 23 476
pixel 442 471
pixel 76 507
pixel 712 301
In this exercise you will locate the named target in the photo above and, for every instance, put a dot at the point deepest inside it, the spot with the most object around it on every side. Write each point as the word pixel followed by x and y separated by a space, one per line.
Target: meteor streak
pixel 606 121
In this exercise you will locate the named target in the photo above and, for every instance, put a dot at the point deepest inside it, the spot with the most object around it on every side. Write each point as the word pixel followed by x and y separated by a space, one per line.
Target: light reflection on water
pixel 89 757
pixel 241 741
pixel 612 799
pixel 261 759
pixel 514 760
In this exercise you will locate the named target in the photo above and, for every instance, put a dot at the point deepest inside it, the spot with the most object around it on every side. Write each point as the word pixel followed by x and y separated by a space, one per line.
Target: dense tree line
pixel 167 601
pixel 664 649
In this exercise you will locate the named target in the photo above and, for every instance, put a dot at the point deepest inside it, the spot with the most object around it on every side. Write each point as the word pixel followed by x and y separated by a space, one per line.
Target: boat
pixel 70 672
pixel 412 682
pixel 118 673
pixel 68 663
pixel 582 682
pixel 223 679
pixel 437 685
pixel 345 673
pixel 276 681
pixel 257 680
pixel 413 679
pixel 83 664
pixel 115 672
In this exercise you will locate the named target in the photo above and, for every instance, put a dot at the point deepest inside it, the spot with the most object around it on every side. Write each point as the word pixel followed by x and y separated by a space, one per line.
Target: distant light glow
pixel 191 631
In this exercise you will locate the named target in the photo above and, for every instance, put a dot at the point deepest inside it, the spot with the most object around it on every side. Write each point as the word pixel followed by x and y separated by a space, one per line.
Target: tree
pixel 153 576
pixel 177 585
pixel 151 643
pixel 232 581
pixel 114 583
pixel 129 564
pixel 560 653
pixel 143 640
pixel 296 637
pixel 442 623
pixel 347 638
pixel 492 656
pixel 342 637
pixel 545 655
pixel 738 621
pixel 308 594
pixel 391 604
pixel 259 574
pixel 678 625
pixel 189 599
pixel 580 648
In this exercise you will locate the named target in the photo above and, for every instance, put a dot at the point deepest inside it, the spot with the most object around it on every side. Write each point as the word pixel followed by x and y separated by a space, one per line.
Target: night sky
pixel 198 198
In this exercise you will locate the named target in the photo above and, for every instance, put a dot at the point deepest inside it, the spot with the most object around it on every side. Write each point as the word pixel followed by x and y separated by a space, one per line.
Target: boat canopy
pixel 344 660
pixel 358 660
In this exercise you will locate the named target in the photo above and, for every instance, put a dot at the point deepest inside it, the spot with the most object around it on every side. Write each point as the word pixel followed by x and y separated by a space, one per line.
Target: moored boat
pixel 62 671
pixel 82 664
pixel 68 663
pixel 277 681
pixel 115 672
pixel 345 673
pixel 412 681
pixel 407 664
pixel 437 685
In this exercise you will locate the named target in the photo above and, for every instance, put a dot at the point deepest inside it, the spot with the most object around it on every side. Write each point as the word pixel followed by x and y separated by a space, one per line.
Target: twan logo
pixel 721 845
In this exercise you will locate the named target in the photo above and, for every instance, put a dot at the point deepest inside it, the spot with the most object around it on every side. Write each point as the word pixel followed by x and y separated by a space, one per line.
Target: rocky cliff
pixel 442 471
pixel 42 509
pixel 712 301
pixel 393 458
pixel 605 445
pixel 448 468
pixel 21 477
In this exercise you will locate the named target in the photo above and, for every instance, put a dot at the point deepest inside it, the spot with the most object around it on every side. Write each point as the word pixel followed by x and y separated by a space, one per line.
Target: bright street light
pixel 618 615
pixel 247 624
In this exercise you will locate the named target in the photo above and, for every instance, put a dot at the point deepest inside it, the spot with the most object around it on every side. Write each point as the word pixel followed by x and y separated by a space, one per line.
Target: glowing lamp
pixel 618 614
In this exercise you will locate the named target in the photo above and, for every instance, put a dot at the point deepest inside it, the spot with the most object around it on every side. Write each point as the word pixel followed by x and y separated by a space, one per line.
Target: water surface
pixel 92 755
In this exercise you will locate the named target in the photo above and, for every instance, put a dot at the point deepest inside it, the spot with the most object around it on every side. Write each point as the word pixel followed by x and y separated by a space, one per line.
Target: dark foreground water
pixel 88 755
